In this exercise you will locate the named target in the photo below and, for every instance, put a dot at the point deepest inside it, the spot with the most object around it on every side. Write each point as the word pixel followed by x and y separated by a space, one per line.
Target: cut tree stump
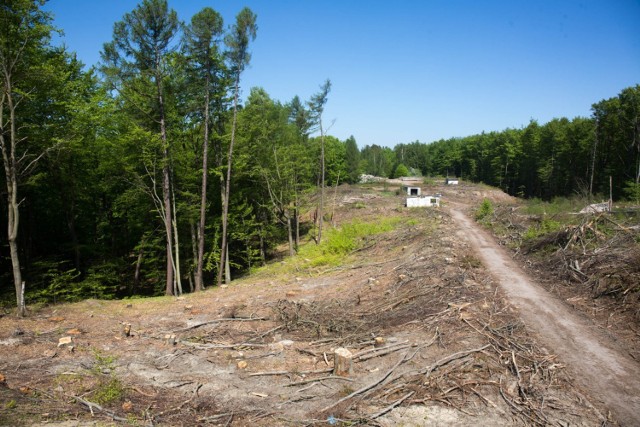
pixel 342 362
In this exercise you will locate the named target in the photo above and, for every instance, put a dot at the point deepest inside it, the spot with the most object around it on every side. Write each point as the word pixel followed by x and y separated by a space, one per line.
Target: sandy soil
pixel 458 346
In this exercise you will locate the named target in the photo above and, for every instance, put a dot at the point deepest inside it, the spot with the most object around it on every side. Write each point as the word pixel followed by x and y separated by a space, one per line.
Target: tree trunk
pixel 174 222
pixel 321 206
pixel 71 224
pixel 296 217
pixel 136 275
pixel 194 254
pixel 11 175
pixel 15 259
pixel 166 187
pixel 227 267
pixel 263 252
pixel 287 217
pixel 225 201
pixel 342 362
pixel 203 194
pixel 593 161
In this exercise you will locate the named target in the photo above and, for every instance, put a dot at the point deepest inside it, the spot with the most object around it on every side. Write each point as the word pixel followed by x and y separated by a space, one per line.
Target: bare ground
pixel 459 348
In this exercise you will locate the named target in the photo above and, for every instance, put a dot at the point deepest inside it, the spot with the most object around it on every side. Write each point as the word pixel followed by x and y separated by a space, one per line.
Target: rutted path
pixel 593 358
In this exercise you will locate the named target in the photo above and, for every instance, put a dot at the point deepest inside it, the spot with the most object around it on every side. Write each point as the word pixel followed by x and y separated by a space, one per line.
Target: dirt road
pixel 597 364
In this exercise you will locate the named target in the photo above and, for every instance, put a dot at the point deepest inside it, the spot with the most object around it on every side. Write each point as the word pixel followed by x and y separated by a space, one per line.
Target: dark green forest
pixel 147 174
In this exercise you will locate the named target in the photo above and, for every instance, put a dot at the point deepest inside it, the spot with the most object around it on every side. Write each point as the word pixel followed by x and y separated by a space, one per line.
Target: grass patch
pixel 546 226
pixel 558 205
pixel 108 391
pixel 337 244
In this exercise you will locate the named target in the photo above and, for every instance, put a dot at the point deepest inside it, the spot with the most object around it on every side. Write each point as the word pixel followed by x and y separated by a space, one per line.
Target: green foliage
pixel 484 211
pixel 632 191
pixel 59 284
pixel 109 388
pixel 546 226
pixel 377 161
pixel 400 171
pixel 237 40
pixel 352 160
pixel 103 281
pixel 60 287
pixel 103 362
pixel 558 205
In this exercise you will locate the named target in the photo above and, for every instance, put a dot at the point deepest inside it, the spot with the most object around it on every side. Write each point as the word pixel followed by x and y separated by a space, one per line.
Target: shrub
pixel 632 191
pixel 401 170
pixel 485 210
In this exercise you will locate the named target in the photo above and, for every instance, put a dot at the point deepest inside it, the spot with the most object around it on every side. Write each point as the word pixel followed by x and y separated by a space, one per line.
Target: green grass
pixel 109 388
pixel 558 205
pixel 339 242
pixel 108 391
pixel 546 226
pixel 336 246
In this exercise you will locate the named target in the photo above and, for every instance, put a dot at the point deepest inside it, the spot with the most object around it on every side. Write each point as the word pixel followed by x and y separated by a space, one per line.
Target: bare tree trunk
pixel 227 267
pixel 166 189
pixel 263 254
pixel 321 206
pixel 178 277
pixel 287 218
pixel 203 194
pixel 335 197
pixel 593 161
pixel 136 275
pixel 15 259
pixel 11 174
pixel 194 250
pixel 71 224
pixel 296 217
pixel 225 201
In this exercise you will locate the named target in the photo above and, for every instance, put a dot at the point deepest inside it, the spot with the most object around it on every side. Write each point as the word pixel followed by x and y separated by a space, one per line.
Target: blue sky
pixel 417 70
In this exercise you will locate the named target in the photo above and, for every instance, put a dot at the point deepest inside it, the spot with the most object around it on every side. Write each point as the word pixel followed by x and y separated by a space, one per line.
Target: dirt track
pixel 594 359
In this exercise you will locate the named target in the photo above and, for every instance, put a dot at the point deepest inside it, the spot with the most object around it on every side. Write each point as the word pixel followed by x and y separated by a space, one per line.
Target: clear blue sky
pixel 417 70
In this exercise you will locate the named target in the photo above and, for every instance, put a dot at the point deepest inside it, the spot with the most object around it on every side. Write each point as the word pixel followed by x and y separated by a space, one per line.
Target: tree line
pixel 149 175
pixel 560 158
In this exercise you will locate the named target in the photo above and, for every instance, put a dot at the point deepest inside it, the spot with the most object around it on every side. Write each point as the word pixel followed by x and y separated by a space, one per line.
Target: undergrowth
pixel 109 387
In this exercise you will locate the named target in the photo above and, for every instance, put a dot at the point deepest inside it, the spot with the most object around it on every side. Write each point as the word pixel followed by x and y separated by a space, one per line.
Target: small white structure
pixel 411 191
pixel 424 201
pixel 451 181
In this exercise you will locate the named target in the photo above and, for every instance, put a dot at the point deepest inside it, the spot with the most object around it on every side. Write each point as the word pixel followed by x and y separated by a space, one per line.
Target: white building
pixel 423 201
pixel 411 191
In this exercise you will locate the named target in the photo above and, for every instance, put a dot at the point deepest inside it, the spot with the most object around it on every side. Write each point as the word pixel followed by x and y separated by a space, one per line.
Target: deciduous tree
pixel 26 61
pixel 237 41
pixel 201 42
pixel 135 62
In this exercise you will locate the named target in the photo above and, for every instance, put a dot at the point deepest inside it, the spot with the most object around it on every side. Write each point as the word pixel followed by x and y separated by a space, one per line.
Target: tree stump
pixel 342 362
